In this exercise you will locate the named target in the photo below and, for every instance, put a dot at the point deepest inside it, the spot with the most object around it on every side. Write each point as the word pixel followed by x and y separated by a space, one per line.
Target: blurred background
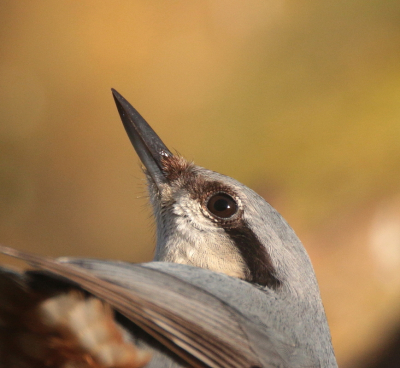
pixel 298 100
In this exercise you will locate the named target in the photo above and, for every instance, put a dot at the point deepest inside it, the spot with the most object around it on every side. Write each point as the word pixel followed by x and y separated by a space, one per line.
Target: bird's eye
pixel 222 205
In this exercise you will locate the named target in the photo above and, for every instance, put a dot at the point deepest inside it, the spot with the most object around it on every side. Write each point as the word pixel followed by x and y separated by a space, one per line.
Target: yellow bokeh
pixel 298 100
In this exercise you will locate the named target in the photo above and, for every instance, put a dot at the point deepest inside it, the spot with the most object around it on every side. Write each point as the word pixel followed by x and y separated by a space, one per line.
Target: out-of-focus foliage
pixel 299 100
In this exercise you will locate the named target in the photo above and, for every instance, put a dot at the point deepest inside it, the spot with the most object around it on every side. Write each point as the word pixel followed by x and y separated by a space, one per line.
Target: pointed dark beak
pixel 146 142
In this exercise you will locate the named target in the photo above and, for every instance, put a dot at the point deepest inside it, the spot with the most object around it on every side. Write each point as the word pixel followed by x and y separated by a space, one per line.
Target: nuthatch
pixel 231 285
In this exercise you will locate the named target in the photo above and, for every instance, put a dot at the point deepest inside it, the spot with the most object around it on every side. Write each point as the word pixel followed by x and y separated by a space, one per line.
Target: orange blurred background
pixel 298 100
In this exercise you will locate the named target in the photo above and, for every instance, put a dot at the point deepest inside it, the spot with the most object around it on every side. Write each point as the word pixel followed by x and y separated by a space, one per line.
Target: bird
pixel 230 285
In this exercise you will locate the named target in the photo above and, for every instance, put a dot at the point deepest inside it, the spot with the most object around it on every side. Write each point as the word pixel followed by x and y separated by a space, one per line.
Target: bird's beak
pixel 146 142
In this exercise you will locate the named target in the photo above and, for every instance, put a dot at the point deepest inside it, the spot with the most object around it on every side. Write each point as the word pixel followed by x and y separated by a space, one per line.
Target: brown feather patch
pixel 68 330
pixel 176 166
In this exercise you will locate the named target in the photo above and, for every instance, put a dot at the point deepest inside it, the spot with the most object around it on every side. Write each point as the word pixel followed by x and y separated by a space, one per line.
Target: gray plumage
pixel 231 284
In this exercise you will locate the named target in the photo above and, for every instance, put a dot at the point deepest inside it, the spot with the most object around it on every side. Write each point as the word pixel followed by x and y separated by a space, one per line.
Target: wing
pixel 204 329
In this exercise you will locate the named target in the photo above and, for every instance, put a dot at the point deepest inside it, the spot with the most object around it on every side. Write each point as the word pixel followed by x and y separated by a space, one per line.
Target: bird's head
pixel 210 220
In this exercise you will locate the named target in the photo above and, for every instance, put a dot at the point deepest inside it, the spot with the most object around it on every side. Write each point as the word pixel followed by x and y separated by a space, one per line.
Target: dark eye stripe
pixel 255 255
pixel 259 264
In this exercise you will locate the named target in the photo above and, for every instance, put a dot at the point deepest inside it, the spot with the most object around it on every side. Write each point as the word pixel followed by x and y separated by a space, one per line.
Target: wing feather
pixel 205 334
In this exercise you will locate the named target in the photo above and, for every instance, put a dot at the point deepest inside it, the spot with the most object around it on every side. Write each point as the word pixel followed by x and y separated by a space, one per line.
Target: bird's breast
pixel 216 253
